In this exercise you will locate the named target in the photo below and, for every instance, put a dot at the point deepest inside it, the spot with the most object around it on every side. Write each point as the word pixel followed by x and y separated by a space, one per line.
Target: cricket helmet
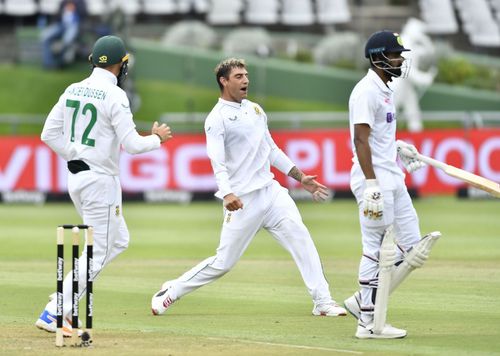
pixel 108 50
pixel 379 45
pixel 383 42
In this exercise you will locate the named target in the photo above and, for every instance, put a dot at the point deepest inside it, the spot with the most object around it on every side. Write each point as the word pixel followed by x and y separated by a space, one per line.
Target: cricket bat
pixel 476 181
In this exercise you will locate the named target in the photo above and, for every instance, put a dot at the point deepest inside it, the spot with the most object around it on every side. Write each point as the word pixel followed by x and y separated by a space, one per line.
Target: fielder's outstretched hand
pixel 318 190
pixel 408 155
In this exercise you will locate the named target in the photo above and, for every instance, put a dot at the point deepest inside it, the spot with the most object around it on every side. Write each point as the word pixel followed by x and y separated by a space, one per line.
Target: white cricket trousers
pixel 399 211
pixel 98 200
pixel 273 209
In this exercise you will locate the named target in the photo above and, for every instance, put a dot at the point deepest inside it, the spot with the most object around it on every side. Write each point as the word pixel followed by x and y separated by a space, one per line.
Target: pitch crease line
pixel 287 345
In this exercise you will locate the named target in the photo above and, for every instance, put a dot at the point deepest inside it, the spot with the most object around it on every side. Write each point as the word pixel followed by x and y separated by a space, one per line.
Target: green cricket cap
pixel 108 50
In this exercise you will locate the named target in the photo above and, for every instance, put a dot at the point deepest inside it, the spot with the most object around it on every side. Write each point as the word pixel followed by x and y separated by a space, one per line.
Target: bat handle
pixel 431 161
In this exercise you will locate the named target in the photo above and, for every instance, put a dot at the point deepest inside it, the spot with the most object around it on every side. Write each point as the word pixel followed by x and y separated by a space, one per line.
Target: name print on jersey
pixel 87 92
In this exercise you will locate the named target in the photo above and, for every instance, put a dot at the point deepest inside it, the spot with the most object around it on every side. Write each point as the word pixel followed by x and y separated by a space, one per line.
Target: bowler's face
pixel 236 86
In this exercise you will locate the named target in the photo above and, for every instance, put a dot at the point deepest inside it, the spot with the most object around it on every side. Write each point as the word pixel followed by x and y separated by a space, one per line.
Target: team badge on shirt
pixel 257 110
pixel 117 210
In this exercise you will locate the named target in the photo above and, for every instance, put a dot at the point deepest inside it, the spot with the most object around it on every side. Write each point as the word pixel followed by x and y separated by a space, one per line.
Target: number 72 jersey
pixel 89 122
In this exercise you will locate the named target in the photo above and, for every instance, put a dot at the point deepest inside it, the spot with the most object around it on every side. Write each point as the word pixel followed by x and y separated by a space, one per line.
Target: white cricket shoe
pixel 48 322
pixel 329 309
pixel 388 332
pixel 353 305
pixel 162 300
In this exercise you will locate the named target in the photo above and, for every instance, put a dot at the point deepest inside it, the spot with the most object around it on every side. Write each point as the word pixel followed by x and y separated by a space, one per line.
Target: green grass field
pixel 450 307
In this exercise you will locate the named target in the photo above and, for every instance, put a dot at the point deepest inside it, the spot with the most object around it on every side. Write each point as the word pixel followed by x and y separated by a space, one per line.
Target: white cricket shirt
pixel 241 149
pixel 371 102
pixel 90 121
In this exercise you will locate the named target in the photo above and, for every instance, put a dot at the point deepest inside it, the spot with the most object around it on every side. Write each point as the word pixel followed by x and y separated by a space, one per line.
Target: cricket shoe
pixel 68 320
pixel 353 304
pixel 162 299
pixel 328 309
pixel 48 322
pixel 365 331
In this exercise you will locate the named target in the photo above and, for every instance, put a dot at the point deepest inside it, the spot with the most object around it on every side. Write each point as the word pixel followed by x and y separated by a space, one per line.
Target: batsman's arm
pixel 363 150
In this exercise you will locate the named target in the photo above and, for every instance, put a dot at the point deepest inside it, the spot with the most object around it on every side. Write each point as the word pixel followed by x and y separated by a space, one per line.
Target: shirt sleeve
pixel 134 143
pixel 124 126
pixel 214 132
pixel 53 130
pixel 277 157
pixel 364 108
pixel 120 114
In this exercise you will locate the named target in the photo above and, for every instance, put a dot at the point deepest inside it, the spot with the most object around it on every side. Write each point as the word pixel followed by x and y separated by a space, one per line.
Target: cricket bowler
pixel 242 151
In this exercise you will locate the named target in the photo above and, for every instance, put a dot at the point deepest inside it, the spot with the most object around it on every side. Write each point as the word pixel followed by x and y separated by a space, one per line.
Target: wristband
pixel 371 183
pixel 161 140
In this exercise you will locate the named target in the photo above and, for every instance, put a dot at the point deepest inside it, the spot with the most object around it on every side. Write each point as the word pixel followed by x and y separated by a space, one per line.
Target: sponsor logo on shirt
pixel 233 118
pixel 390 117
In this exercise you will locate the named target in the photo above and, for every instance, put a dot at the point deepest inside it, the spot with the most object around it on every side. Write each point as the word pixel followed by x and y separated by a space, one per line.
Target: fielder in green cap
pixel 86 128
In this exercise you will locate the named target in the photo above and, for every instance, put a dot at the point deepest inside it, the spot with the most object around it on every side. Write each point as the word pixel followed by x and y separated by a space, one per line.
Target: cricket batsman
pixel 386 211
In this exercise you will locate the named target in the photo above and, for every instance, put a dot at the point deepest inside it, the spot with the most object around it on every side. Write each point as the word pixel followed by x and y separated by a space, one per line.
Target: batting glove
pixel 408 155
pixel 373 201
